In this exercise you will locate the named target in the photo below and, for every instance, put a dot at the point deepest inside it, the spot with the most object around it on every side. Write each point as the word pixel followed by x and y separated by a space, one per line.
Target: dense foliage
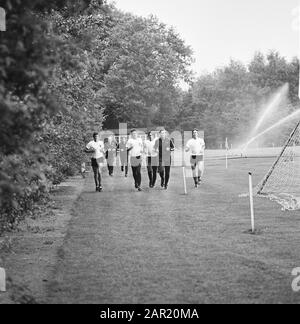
pixel 47 95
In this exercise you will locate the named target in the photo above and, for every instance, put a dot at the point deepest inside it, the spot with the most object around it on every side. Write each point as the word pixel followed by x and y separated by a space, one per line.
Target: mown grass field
pixel 164 247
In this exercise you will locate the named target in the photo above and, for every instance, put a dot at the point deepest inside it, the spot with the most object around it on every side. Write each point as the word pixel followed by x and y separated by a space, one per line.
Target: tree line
pixel 228 102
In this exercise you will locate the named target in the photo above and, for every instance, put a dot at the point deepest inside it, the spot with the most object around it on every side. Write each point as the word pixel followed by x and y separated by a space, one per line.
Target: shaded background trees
pixel 229 101
pixel 145 61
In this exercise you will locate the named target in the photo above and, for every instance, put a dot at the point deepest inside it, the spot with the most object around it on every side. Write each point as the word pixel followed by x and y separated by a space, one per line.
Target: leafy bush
pixel 47 94
pixel 26 187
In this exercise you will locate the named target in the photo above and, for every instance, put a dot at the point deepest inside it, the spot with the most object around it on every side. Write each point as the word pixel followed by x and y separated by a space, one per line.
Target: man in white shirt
pixel 96 148
pixel 152 159
pixel 196 147
pixel 135 149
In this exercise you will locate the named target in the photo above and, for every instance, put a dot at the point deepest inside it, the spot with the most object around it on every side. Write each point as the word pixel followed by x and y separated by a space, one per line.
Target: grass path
pixel 124 246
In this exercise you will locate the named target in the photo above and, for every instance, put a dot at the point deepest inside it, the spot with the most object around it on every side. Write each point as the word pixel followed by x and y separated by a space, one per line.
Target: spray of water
pixel 274 102
pixel 269 108
pixel 281 122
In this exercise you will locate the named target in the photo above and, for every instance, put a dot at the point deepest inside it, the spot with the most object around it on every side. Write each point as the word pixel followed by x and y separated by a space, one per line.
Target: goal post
pixel 282 182
pixel 265 180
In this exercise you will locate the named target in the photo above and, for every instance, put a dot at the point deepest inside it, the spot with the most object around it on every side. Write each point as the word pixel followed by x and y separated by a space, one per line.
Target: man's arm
pixel 88 148
pixel 187 147
pixel 172 146
pixel 129 146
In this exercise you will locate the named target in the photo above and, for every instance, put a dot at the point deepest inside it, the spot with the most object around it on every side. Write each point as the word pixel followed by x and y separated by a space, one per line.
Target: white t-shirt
pixel 136 145
pixel 98 147
pixel 196 146
pixel 149 148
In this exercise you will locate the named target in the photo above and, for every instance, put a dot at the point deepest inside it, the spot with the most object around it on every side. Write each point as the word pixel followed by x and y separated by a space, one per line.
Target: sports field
pixel 161 246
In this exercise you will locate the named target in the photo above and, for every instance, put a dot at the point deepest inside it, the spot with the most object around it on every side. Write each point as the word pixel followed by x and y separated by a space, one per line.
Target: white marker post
pixel 2 280
pixel 184 180
pixel 251 202
pixel 226 159
pixel 227 149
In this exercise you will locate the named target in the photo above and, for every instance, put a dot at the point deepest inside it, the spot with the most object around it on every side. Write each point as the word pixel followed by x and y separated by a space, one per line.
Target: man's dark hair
pixel 95 134
pixel 132 131
pixel 162 130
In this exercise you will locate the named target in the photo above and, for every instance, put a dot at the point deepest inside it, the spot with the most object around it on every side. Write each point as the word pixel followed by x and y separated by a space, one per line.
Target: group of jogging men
pixel 158 152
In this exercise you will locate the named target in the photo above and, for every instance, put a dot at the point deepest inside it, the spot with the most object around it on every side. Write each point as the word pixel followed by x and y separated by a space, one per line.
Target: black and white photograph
pixel 149 155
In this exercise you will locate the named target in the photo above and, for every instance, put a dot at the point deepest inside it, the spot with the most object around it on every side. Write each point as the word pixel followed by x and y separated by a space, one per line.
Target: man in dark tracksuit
pixel 165 147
